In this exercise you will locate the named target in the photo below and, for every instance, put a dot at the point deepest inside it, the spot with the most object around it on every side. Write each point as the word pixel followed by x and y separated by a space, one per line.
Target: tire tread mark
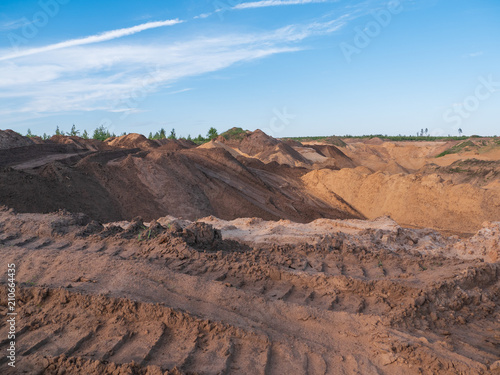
pixel 156 346
pixel 126 337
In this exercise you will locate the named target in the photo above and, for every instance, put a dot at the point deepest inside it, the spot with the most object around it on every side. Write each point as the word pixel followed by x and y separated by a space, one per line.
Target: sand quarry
pixel 251 255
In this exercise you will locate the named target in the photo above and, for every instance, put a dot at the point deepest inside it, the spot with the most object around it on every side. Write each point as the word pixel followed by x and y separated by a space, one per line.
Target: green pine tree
pixel 101 133
pixel 162 134
pixel 212 133
pixel 74 132
pixel 172 134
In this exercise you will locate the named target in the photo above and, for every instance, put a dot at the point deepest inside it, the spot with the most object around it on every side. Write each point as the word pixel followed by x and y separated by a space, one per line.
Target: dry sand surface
pixel 410 199
pixel 253 256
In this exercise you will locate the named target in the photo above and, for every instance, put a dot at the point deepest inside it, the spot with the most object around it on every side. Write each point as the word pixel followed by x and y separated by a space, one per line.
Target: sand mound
pixel 175 144
pixel 10 139
pixel 132 140
pixel 268 149
pixel 252 174
pixel 292 142
pixel 79 143
pixel 332 152
pixel 312 155
pixel 409 155
pixel 424 201
pixel 122 183
pixel 373 141
pixel 222 145
pixel 477 172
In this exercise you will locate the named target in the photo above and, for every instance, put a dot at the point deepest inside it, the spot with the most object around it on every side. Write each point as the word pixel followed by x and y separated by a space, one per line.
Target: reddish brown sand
pixel 264 266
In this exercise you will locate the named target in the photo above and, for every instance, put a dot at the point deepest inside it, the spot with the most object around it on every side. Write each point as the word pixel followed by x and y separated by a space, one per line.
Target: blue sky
pixel 288 67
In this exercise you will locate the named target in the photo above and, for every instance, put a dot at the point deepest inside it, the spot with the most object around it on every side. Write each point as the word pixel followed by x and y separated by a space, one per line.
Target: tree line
pixel 102 133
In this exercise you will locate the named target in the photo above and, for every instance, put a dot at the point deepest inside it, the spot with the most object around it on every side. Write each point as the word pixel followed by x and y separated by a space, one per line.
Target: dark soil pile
pixel 11 139
pixel 132 176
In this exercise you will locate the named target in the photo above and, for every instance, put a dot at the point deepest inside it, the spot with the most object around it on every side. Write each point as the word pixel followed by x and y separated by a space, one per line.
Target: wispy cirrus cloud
pixel 274 3
pixel 261 4
pixel 106 36
pixel 94 77
pixel 14 24
pixel 474 54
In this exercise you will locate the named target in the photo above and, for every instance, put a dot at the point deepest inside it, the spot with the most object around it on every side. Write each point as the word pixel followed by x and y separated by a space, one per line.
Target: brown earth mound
pixel 132 141
pixel 268 149
pixel 332 152
pixel 38 154
pixel 175 144
pixel 289 152
pixel 471 171
pixel 80 143
pixel 120 183
pixel 249 174
pixel 11 139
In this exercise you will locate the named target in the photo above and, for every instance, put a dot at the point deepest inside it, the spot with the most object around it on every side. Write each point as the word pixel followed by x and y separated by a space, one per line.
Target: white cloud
pixel 273 3
pixel 261 4
pixel 15 24
pixel 474 54
pixel 180 91
pixel 108 35
pixel 117 77
pixel 204 15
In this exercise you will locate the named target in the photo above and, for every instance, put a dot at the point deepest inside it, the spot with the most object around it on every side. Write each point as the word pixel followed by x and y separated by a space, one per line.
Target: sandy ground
pixel 252 256
pixel 256 297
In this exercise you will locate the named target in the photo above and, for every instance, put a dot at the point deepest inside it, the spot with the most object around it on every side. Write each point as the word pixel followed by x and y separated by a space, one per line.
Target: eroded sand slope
pixel 415 200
